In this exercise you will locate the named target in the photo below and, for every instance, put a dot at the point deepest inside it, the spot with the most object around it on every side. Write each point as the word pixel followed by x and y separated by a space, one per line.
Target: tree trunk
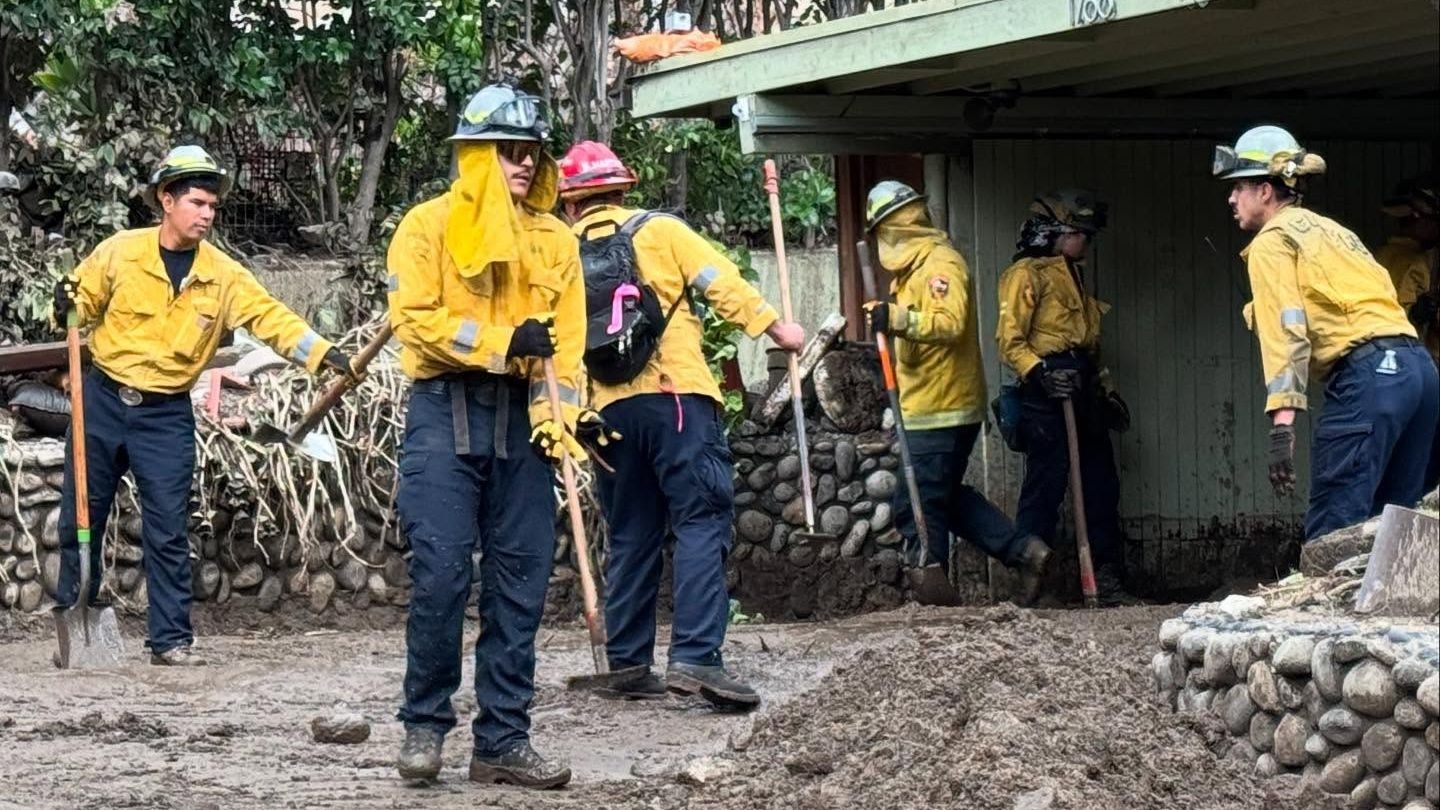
pixel 377 142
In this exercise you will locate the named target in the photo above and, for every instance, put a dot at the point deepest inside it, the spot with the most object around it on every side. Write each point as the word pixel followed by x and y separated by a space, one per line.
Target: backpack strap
pixel 633 226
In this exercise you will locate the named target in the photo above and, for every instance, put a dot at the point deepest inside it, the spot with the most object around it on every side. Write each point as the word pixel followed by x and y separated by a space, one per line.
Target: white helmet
pixel 1265 151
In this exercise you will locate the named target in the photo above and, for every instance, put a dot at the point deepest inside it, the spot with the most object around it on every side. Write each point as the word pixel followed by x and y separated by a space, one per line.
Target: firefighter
pixel 1410 256
pixel 1325 310
pixel 673 469
pixel 483 285
pixel 942 386
pixel 1048 332
pixel 160 299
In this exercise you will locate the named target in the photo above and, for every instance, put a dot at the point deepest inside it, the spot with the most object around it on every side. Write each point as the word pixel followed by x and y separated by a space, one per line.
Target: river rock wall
pixel 1352 708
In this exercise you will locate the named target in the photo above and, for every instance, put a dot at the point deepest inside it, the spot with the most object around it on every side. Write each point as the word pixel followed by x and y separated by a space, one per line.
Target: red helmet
pixel 591 168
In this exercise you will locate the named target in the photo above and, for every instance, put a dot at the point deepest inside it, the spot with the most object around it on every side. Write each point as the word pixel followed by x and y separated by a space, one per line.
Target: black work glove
pixel 1422 312
pixel 878 315
pixel 534 338
pixel 593 431
pixel 1059 383
pixel 1282 459
pixel 338 361
pixel 1117 413
pixel 66 287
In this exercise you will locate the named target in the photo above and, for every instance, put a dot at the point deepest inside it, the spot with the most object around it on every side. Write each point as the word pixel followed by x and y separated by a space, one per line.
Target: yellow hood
pixel 484 225
pixel 906 238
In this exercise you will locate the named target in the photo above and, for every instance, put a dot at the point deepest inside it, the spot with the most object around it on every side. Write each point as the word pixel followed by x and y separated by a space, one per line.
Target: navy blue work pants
pixel 154 441
pixel 940 457
pixel 495 497
pixel 674 477
pixel 1375 435
pixel 1047 464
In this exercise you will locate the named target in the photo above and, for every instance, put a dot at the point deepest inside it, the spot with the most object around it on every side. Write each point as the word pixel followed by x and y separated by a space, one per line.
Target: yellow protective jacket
pixel 669 257
pixel 150 338
pixel 1318 293
pixel 448 321
pixel 936 330
pixel 1411 271
pixel 1044 310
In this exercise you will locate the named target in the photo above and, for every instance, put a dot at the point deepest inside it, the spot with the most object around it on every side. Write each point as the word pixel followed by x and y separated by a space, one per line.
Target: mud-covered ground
pixel 917 708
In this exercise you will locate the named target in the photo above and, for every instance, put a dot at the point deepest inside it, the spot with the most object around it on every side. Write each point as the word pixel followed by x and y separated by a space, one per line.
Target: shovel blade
pixel 89 637
pixel 318 446
pixel 811 538
pixel 932 587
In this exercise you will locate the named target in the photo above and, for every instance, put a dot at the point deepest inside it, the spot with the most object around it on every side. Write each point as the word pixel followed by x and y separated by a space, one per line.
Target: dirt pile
pixel 1000 709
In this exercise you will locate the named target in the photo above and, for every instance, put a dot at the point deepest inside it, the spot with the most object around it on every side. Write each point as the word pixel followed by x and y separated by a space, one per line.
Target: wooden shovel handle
pixel 577 518
pixel 77 425
pixel 340 387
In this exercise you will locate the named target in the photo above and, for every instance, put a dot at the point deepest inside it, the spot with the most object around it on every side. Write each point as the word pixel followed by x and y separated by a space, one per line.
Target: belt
pixel 494 390
pixel 134 397
pixel 1377 345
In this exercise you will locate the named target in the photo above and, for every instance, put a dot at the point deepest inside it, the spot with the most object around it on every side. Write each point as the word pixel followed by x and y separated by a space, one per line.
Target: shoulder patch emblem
pixel 939 286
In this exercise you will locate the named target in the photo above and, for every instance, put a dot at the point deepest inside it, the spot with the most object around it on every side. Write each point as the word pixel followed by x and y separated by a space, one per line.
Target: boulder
pixel 1409 714
pixel 268 597
pixel 1342 726
pixel 1325 673
pixel 1381 745
pixel 1262 731
pixel 754 526
pixel 880 485
pixel 1293 656
pixel 1290 737
pixel 1370 689
pixel 322 588
pixel 1416 759
pixel 1409 673
pixel 1318 748
pixel 1238 710
pixel 1392 788
pixel 1428 694
pixel 249 575
pixel 1343 772
pixel 1264 689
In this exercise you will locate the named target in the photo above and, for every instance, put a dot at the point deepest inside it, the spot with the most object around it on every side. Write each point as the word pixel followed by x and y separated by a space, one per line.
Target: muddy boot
pixel 633 683
pixel 182 656
pixel 712 683
pixel 521 766
pixel 420 753
pixel 1110 588
pixel 1031 565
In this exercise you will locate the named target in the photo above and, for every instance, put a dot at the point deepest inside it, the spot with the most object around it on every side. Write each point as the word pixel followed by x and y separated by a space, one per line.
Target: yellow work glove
pixel 552 441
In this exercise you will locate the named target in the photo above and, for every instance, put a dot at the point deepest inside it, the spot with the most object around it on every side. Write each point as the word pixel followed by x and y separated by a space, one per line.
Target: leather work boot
pixel 1110 588
pixel 522 766
pixel 633 683
pixel 712 683
pixel 420 753
pixel 1033 559
pixel 182 656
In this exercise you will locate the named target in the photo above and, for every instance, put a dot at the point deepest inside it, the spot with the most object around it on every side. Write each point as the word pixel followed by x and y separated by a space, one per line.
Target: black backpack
pixel 624 321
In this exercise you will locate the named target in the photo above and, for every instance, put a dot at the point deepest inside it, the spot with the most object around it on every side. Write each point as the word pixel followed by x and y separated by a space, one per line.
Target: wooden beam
pixel 849 125
pixel 1241 59
pixel 38 356
pixel 1347 73
pixel 859 44
pixel 877 78
pixel 1058 55
pixel 1238 69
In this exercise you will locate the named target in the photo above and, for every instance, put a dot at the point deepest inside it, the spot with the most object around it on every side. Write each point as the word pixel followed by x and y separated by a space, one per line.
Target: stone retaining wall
pixel 770 571
pixel 1353 708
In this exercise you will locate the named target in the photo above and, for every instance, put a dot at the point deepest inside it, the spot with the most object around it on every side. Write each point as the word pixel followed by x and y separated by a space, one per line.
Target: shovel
pixel 927 580
pixel 772 189
pixel 304 438
pixel 88 635
pixel 1077 498
pixel 594 618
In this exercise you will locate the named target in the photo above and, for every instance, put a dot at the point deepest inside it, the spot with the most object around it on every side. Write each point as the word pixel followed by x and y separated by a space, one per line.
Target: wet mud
pixel 914 708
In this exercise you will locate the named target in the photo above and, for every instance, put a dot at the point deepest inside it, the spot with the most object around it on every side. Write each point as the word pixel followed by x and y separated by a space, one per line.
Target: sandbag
pixel 43 408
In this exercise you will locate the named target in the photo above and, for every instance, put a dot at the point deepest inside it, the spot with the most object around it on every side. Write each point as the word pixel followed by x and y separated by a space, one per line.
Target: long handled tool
pixel 303 437
pixel 927 580
pixel 1077 497
pixel 94 627
pixel 594 619
pixel 772 189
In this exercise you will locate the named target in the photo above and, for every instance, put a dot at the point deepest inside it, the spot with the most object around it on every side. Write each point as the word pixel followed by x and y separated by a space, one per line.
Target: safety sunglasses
pixel 517 151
